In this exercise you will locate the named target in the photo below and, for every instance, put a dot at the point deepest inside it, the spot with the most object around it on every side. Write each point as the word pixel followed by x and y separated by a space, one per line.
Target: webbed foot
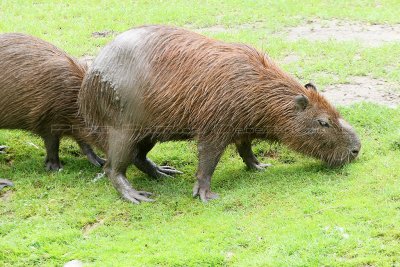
pixel 91 155
pixel 136 197
pixel 53 165
pixel 204 192
pixel 128 192
pixel 150 168
pixel 96 160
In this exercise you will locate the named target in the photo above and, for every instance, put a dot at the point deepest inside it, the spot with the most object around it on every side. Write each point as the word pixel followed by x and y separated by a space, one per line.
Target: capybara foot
pixel 125 189
pixel 163 172
pixel 168 170
pixel 2 149
pixel 204 192
pixel 4 183
pixel 259 166
pixel 96 160
pixel 92 157
pixel 136 197
pixel 53 165
pixel 149 167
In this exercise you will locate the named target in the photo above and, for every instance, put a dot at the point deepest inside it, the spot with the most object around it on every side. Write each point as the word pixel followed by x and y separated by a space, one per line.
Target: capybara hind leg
pixel 146 165
pixel 4 183
pixel 244 149
pixel 92 157
pixel 119 157
pixel 209 155
pixel 52 161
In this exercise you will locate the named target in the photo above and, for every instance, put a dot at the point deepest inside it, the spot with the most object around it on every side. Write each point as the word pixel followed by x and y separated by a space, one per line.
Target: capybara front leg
pixel 4 183
pixel 146 165
pixel 209 155
pixel 52 144
pixel 92 157
pixel 245 152
pixel 118 159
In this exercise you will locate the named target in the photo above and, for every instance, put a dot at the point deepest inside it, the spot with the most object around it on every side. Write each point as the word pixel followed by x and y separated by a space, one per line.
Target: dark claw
pixel 136 197
pixel 161 174
pixel 53 166
pixel 92 157
pixel 168 170
pixel 144 193
pixel 4 183
pixel 96 161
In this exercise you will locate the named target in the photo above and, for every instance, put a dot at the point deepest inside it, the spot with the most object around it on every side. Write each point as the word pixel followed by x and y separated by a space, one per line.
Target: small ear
pixel 301 102
pixel 311 86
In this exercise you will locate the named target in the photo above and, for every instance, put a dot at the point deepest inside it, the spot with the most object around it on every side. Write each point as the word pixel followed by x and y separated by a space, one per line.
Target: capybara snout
pixel 321 132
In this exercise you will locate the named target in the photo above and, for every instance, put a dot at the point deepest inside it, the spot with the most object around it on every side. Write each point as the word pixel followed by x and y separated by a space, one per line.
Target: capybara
pixel 39 86
pixel 159 83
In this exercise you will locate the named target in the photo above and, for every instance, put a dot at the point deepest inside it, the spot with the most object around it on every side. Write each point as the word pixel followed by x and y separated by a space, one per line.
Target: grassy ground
pixel 296 213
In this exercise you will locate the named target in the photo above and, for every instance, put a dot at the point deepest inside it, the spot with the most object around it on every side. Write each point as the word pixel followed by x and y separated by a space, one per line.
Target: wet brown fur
pixel 204 88
pixel 39 85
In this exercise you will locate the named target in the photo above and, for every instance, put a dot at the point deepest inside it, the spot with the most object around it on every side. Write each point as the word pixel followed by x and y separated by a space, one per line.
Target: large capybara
pixel 159 83
pixel 39 86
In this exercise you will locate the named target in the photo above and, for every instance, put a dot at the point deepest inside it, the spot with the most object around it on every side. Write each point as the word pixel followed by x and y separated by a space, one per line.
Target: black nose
pixel 354 152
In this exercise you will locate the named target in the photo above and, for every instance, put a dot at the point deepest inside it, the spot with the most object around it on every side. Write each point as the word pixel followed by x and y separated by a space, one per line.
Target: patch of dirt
pixel 364 89
pixel 103 34
pixel 291 58
pixel 367 34
pixel 322 30
pixel 359 89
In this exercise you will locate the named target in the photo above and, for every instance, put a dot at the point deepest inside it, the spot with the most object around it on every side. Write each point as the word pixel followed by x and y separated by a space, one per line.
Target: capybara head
pixel 318 130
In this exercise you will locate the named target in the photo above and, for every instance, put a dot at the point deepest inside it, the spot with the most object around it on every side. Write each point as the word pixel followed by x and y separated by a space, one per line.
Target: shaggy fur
pixel 213 89
pixel 164 83
pixel 39 85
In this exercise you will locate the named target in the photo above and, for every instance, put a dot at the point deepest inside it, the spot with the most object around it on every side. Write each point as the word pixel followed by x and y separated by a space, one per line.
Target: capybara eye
pixel 323 123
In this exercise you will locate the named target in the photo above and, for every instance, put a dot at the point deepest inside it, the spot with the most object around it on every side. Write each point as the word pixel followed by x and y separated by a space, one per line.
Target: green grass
pixel 296 213
pixel 70 25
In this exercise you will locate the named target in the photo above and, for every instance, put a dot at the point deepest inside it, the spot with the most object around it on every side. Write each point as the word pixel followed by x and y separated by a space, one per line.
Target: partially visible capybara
pixel 159 83
pixel 39 86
